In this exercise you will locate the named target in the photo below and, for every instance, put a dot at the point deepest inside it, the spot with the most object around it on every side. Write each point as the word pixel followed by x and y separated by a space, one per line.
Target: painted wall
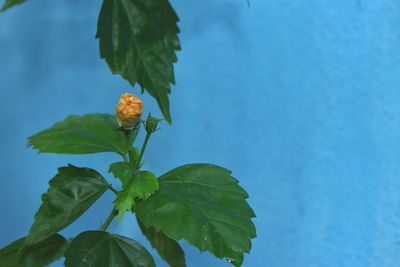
pixel 300 99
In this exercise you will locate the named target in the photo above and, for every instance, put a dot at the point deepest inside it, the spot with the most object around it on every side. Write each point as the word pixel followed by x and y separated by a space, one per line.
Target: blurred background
pixel 300 99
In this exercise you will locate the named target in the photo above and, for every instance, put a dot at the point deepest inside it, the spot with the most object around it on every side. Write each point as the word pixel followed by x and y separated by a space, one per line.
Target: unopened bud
pixel 129 110
pixel 151 124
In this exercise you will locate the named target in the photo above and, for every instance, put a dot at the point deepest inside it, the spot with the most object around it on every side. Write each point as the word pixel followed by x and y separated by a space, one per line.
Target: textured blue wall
pixel 300 99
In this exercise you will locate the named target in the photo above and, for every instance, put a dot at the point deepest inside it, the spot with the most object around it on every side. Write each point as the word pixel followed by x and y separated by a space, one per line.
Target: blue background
pixel 299 98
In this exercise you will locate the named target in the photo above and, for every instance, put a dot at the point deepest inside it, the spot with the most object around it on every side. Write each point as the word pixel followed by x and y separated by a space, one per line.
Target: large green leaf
pixel 138 39
pixel 141 185
pixel 38 255
pixel 9 3
pixel 72 191
pixel 103 249
pixel 91 133
pixel 167 248
pixel 204 205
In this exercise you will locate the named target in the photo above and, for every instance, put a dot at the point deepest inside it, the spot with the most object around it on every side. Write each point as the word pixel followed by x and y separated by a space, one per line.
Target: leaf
pixel 141 185
pixel 203 204
pixel 72 191
pixel 91 133
pixel 124 170
pixel 138 39
pixel 121 170
pixel 103 249
pixel 38 255
pixel 167 248
pixel 9 3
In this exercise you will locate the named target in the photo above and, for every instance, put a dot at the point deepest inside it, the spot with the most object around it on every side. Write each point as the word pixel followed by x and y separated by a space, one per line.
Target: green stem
pixel 146 140
pixel 109 219
pixel 113 189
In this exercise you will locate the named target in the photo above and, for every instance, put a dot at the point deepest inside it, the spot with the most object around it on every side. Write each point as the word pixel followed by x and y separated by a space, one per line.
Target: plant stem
pixel 113 189
pixel 146 140
pixel 109 219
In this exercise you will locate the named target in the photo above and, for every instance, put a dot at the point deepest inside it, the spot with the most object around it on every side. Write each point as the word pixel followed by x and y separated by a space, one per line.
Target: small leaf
pixel 9 3
pixel 38 255
pixel 122 171
pixel 91 133
pixel 103 249
pixel 203 204
pixel 72 191
pixel 141 185
pixel 167 248
pixel 138 39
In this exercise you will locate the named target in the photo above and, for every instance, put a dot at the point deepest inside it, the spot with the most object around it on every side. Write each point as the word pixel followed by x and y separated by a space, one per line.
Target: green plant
pixel 200 203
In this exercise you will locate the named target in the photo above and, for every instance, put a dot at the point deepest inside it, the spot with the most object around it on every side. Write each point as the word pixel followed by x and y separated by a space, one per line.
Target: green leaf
pixel 121 170
pixel 124 170
pixel 141 185
pixel 167 248
pixel 103 249
pixel 91 133
pixel 204 205
pixel 138 39
pixel 38 255
pixel 72 191
pixel 9 3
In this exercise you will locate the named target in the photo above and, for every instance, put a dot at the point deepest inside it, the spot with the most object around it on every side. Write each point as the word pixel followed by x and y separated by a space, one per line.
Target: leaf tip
pixel 120 216
pixel 9 3
pixel 167 116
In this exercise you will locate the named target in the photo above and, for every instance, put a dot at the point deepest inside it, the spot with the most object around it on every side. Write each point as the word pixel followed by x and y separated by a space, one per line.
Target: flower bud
pixel 129 110
pixel 151 124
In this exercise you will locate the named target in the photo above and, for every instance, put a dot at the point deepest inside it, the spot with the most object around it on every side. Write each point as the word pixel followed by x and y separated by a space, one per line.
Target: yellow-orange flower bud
pixel 129 110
